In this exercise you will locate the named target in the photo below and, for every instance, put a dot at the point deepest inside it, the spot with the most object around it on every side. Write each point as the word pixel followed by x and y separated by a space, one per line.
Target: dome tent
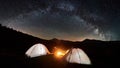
pixel 77 55
pixel 37 50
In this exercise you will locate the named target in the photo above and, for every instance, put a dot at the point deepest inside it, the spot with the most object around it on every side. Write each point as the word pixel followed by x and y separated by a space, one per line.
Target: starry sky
pixel 73 20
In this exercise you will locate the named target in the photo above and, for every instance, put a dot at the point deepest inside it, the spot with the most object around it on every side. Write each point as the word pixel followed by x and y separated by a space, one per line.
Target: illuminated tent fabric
pixel 37 50
pixel 76 55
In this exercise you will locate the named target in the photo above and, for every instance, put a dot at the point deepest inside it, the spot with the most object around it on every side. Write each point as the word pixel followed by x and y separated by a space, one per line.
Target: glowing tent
pixel 76 55
pixel 37 50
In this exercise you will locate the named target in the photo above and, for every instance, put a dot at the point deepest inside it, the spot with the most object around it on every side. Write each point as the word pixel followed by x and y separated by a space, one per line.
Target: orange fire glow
pixel 59 52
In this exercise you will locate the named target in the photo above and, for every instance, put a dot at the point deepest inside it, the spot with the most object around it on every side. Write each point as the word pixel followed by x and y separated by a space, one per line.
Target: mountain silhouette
pixel 14 44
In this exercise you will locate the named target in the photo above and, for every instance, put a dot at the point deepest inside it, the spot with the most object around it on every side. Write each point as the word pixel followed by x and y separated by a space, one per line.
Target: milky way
pixel 62 20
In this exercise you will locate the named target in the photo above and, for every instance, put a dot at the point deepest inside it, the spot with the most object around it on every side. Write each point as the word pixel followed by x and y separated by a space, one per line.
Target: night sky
pixel 73 20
